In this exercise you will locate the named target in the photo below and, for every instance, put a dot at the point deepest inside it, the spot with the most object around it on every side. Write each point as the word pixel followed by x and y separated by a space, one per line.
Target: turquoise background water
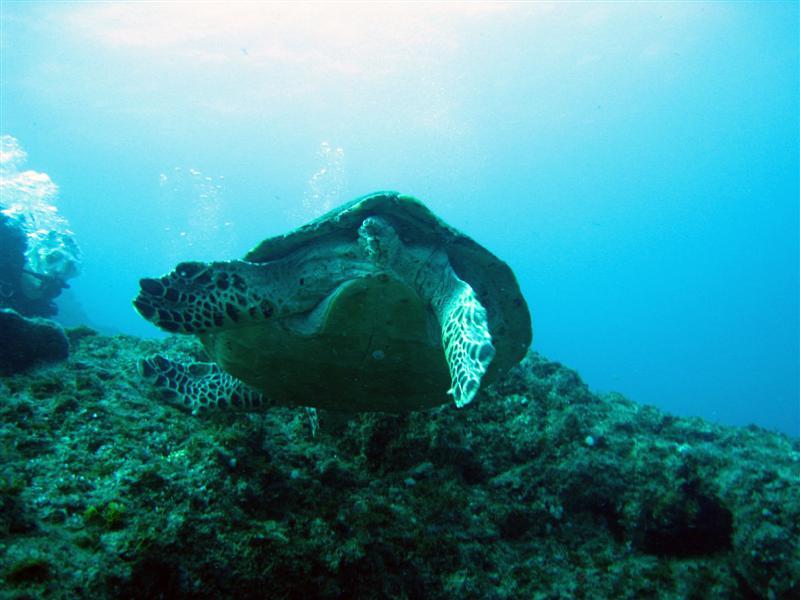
pixel 636 164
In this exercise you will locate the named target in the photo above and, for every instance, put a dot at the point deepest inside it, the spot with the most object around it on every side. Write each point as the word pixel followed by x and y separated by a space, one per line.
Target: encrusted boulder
pixel 28 342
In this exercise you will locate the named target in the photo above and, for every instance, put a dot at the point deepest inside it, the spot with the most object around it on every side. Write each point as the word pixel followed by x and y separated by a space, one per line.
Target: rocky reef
pixel 28 342
pixel 541 489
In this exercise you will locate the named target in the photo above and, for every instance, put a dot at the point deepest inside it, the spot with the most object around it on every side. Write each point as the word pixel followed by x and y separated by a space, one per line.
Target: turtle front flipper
pixel 199 387
pixel 200 297
pixel 466 338
pixel 462 318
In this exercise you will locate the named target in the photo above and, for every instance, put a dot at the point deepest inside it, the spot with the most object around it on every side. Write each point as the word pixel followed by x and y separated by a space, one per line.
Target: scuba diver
pixel 38 252
pixel 33 270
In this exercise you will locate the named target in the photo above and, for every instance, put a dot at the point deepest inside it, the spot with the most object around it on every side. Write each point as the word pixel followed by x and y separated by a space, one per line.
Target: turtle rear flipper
pixel 199 386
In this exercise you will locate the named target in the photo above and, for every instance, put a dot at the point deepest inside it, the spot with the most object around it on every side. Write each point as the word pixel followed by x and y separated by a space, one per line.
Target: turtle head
pixel 197 297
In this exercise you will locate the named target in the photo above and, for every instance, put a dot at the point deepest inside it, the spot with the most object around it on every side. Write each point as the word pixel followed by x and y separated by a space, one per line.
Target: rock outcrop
pixel 540 489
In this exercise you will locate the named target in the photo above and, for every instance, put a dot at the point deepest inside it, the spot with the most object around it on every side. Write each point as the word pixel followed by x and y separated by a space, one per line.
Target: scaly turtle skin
pixel 375 306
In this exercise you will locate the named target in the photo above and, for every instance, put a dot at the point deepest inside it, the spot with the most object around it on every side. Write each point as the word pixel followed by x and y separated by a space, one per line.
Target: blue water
pixel 636 164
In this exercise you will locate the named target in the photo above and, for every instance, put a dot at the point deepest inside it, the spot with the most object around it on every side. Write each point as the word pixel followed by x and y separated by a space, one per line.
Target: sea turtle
pixel 377 305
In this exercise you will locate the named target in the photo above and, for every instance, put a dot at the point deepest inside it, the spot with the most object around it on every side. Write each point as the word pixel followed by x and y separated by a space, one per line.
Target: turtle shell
pixel 491 278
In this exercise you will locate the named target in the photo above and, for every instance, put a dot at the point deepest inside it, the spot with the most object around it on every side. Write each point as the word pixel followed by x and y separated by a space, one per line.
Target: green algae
pixel 111 516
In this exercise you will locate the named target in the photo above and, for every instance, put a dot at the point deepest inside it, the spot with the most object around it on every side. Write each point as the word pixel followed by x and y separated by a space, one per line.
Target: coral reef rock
pixel 29 341
pixel 539 489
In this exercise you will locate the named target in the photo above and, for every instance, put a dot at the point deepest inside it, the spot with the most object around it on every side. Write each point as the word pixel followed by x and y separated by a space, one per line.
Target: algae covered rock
pixel 539 489
pixel 29 341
